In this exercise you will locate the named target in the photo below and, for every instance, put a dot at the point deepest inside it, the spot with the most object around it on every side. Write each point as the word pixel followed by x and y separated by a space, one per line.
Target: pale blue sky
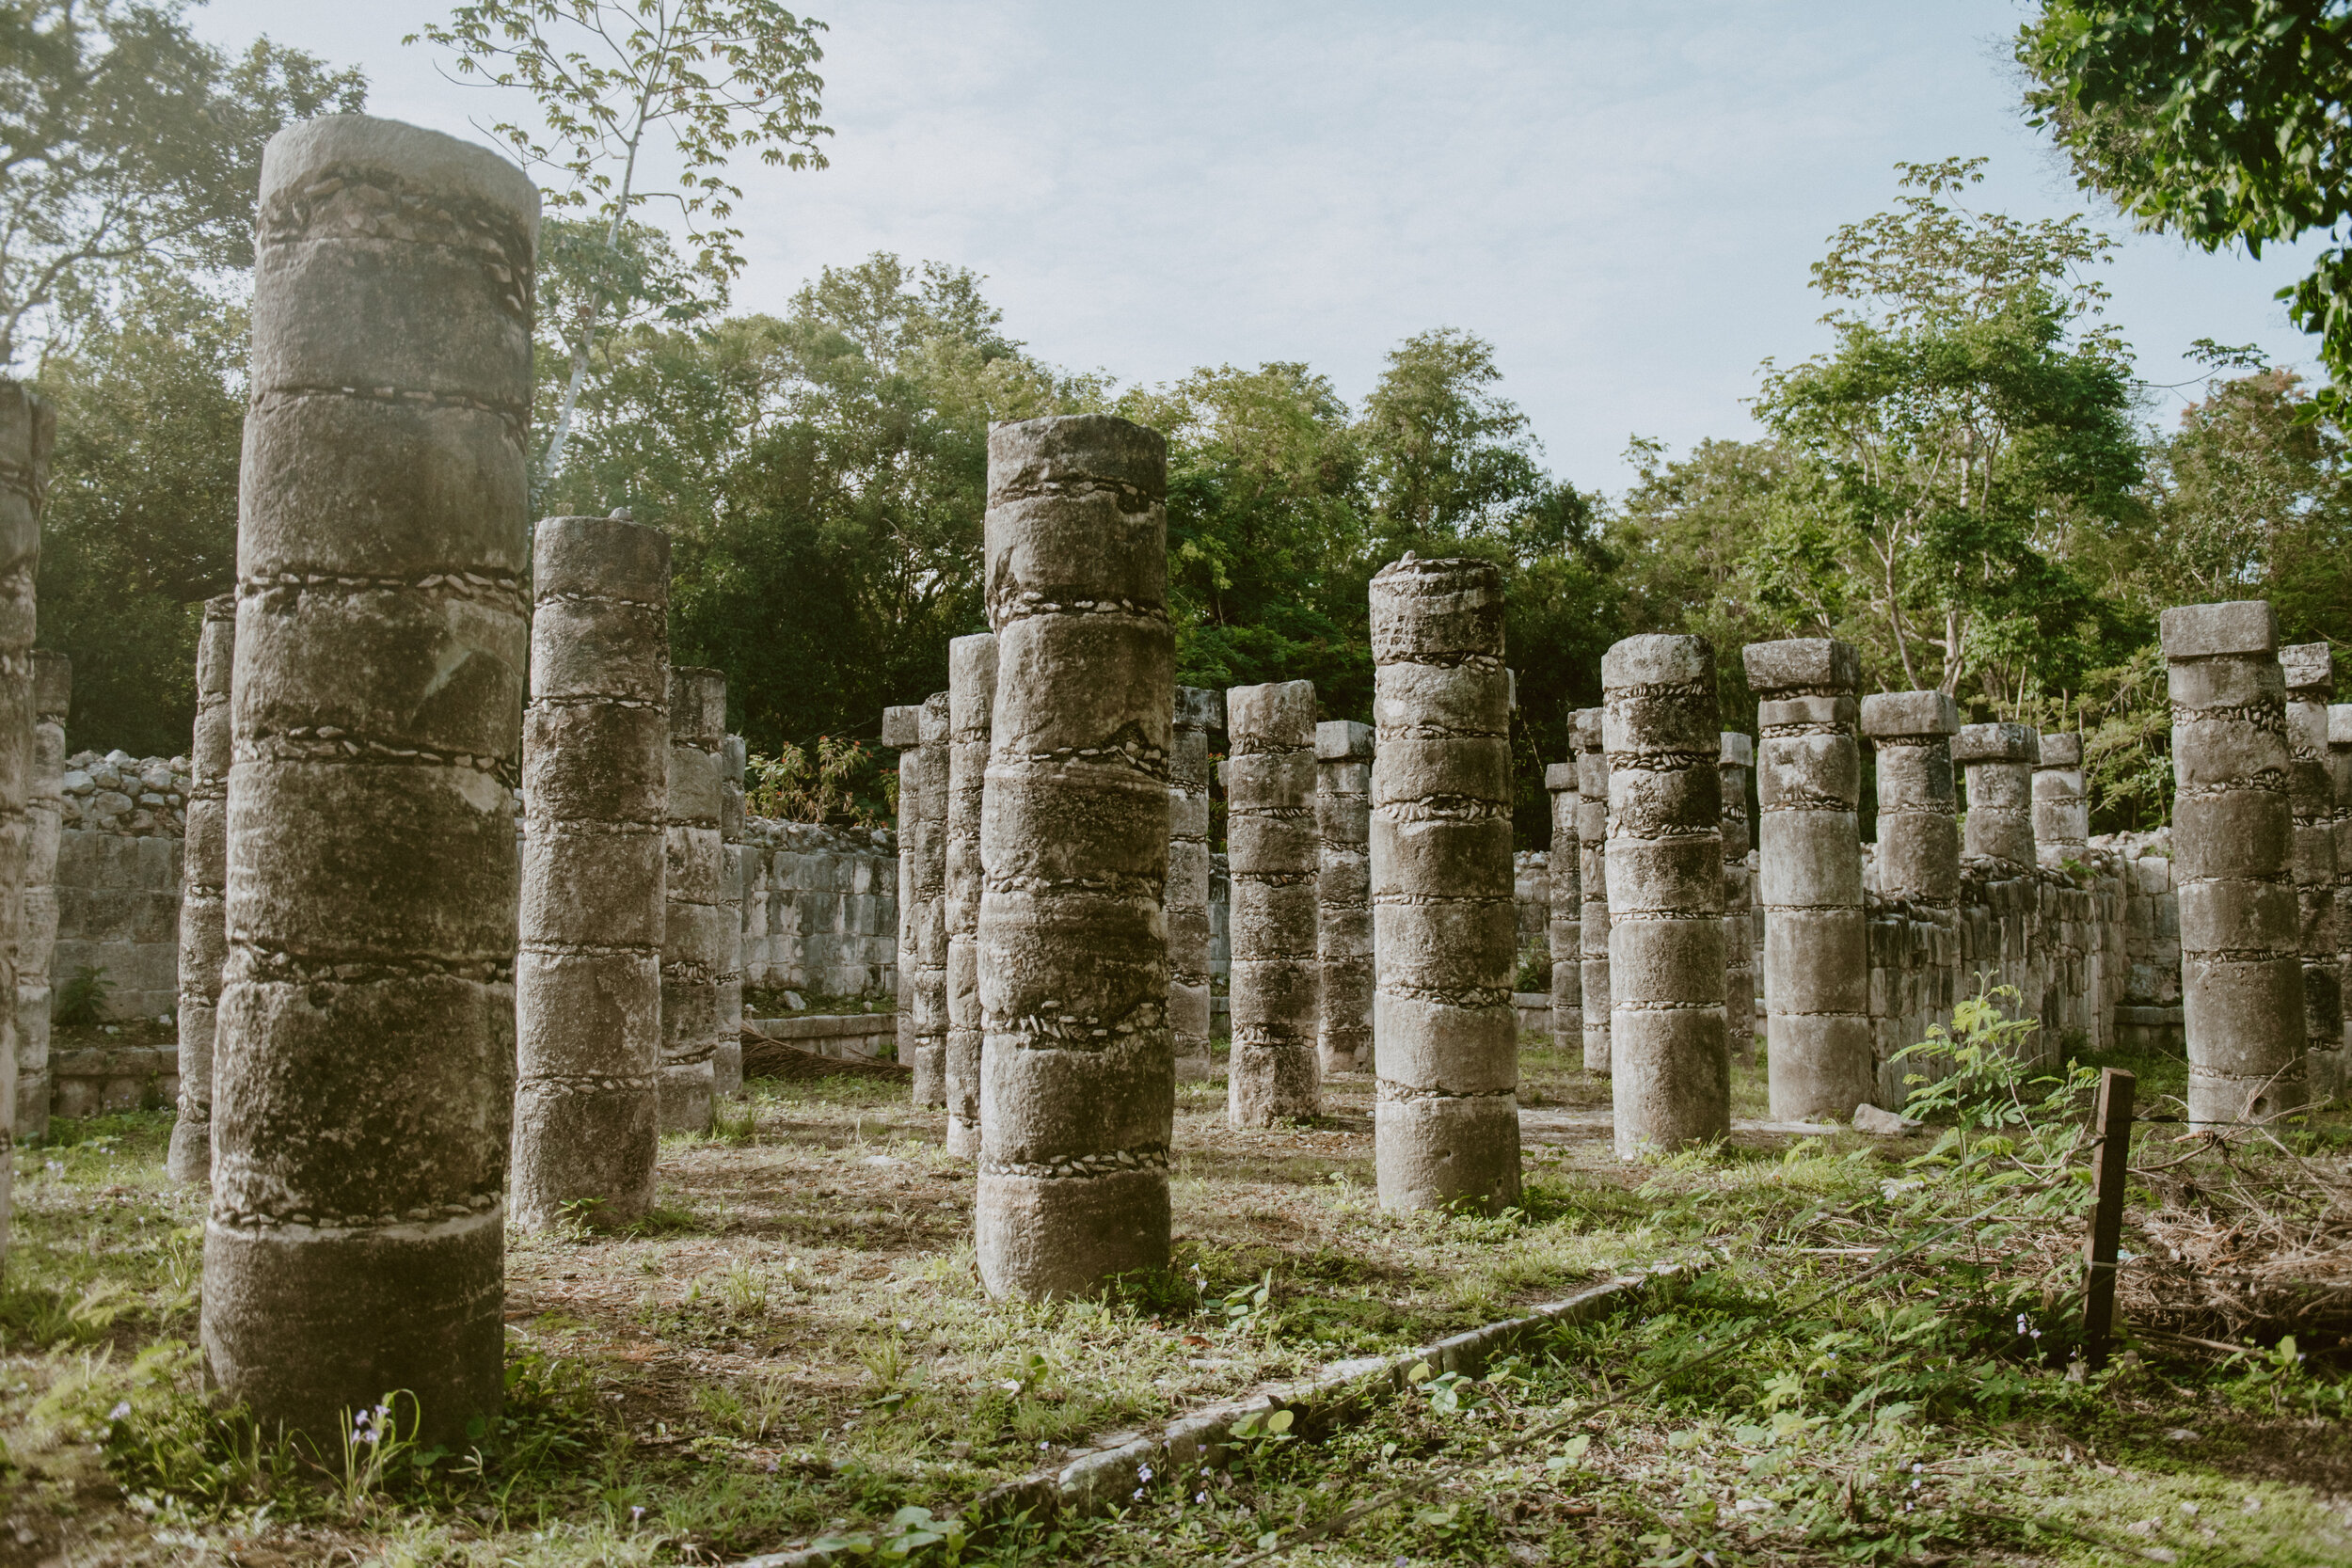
pixel 1624 199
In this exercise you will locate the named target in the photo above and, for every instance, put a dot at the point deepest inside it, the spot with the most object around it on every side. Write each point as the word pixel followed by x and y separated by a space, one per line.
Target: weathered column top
pixel 1585 726
pixel 1277 717
pixel 2309 670
pixel 2062 749
pixel 1560 778
pixel 1820 666
pixel 1907 715
pixel 902 727
pixel 1738 750
pixel 1343 740
pixel 2339 727
pixel 1199 708
pixel 53 684
pixel 698 706
pixel 2002 742
pixel 2241 628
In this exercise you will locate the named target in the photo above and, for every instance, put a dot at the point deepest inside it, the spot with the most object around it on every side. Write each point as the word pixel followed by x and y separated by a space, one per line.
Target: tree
pixel 2222 122
pixel 1967 420
pixel 125 144
pixel 717 76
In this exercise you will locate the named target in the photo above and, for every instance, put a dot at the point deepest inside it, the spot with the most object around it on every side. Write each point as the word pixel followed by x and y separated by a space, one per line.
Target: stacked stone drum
pixel 971 689
pixel 1592 876
pixel 1563 929
pixel 2309 670
pixel 700 986
pixel 1274 855
pixel 1344 929
pixel 203 908
pixel 1190 1002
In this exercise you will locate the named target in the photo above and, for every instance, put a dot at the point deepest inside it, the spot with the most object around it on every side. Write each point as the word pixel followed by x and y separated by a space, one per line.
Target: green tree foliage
pixel 1967 423
pixel 125 145
pixel 708 78
pixel 2221 122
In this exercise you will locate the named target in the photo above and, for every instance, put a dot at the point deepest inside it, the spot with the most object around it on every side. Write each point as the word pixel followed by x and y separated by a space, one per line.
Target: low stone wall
pixel 112 1078
pixel 119 911
pixel 866 1035
pixel 117 793
pixel 820 907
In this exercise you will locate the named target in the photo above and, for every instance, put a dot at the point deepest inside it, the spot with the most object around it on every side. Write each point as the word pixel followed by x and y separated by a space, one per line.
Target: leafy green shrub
pixel 1535 970
pixel 82 1001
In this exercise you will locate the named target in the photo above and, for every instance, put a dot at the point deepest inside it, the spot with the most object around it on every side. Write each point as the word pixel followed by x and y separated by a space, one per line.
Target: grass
pixel 796 1345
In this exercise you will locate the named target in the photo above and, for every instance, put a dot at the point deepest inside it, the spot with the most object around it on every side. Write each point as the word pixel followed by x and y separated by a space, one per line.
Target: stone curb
pixel 1108 1472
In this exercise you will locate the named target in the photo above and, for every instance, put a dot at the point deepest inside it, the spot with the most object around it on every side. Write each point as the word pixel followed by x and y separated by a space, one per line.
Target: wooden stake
pixel 2107 1175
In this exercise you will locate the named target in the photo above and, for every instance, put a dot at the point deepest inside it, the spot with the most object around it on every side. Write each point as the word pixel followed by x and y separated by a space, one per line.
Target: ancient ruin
pixel 1274 857
pixel 2340 778
pixel 1446 1126
pixel 588 974
pixel 1078 1068
pixel 2233 851
pixel 1191 1006
pixel 1817 1001
pixel 1592 869
pixel 53 694
pixel 203 893
pixel 1735 765
pixel 1562 925
pixel 27 434
pixel 2309 670
pixel 926 989
pixel 1344 893
pixel 358 1226
pixel 902 731
pixel 2061 808
pixel 1998 762
pixel 700 938
pixel 726 1053
pixel 971 690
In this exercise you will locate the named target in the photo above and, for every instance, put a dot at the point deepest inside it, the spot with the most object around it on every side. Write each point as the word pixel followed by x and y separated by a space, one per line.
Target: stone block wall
pixel 820 907
pixel 119 910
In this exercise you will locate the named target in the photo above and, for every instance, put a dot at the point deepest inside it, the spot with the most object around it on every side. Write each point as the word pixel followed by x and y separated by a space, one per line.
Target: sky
pixel 1623 199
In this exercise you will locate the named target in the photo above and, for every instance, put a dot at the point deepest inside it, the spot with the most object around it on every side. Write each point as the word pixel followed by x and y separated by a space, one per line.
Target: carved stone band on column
pixel 2233 860
pixel 357 1231
pixel 1918 849
pixel 1077 1073
pixel 971 690
pixel 1736 760
pixel 1998 760
pixel 2308 669
pixel 1343 920
pixel 595 790
pixel 1592 875
pixel 1274 856
pixel 1670 1078
pixel 1817 965
pixel 1446 1123
pixel 1564 934
pixel 2061 807
pixel 698 948
pixel 929 991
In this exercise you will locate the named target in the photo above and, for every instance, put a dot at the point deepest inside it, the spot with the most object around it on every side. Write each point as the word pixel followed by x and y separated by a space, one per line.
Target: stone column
pixel 726 1055
pixel 27 432
pixel 2061 808
pixel 53 693
pixel 1274 855
pixel 1670 1078
pixel 1998 833
pixel 1190 1003
pixel 928 990
pixel 1446 1125
pixel 595 792
pixel 971 690
pixel 203 879
pixel 695 939
pixel 1736 758
pixel 2234 863
pixel 2340 778
pixel 1592 875
pixel 360 1125
pixel 2308 669
pixel 1563 936
pixel 1344 892
pixel 902 731
pixel 1817 957
pixel 1918 849
pixel 1077 1071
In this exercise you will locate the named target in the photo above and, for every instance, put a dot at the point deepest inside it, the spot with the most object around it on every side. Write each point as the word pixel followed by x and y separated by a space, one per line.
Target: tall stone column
pixel 360 1125
pixel 1998 759
pixel 1592 872
pixel 1816 956
pixel 697 941
pixel 1564 935
pixel 1344 892
pixel 27 432
pixel 2234 863
pixel 971 690
pixel 1446 1126
pixel 203 903
pixel 1670 1076
pixel 2308 669
pixel 53 694
pixel 2340 778
pixel 1190 1002
pixel 1919 853
pixel 1736 759
pixel 2061 806
pixel 1274 855
pixel 1077 1071
pixel 929 991
pixel 596 809
pixel 726 1053
pixel 902 731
